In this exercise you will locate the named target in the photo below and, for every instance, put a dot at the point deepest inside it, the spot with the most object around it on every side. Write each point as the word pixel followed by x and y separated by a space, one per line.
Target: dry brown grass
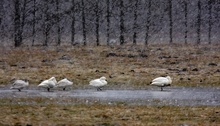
pixel 107 115
pixel 124 66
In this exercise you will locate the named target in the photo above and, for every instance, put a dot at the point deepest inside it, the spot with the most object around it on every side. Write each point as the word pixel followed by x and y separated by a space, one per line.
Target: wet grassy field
pixel 98 114
pixel 126 67
pixel 105 115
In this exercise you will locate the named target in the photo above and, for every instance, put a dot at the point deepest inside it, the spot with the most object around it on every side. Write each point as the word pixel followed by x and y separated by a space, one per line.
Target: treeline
pixel 56 22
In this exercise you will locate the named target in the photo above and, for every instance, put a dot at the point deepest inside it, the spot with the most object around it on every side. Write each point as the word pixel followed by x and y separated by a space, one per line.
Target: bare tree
pixel 148 22
pixel 58 22
pixel 1 19
pixel 135 22
pixel 73 23
pixel 17 24
pixel 83 22
pixel 170 20
pixel 20 15
pixel 25 19
pixel 97 16
pixel 34 22
pixel 108 21
pixel 210 20
pixel 1 11
pixel 24 15
pixel 199 22
pixel 185 2
pixel 122 27
pixel 47 24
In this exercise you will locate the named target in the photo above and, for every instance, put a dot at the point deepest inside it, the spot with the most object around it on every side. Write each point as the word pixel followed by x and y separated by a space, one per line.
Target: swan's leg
pixel 99 89
pixel 161 88
pixel 64 89
pixel 48 89
pixel 19 89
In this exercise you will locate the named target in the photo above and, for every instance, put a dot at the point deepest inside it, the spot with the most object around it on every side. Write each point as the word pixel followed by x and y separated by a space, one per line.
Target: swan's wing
pixel 96 83
pixel 19 84
pixel 160 81
pixel 46 83
pixel 43 85
pixel 64 82
pixel 51 84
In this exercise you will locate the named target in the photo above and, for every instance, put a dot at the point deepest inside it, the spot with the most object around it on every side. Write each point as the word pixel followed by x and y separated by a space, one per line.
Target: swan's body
pixel 98 83
pixel 50 83
pixel 162 82
pixel 64 83
pixel 19 84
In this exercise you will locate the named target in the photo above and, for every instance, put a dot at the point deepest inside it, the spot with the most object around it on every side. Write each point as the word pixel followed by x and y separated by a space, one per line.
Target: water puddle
pixel 171 96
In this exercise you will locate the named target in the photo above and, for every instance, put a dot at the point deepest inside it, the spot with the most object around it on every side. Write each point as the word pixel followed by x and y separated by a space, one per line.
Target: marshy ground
pixel 107 115
pixel 126 68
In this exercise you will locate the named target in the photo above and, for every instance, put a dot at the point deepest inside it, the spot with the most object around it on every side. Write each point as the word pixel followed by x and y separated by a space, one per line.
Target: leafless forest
pixel 105 22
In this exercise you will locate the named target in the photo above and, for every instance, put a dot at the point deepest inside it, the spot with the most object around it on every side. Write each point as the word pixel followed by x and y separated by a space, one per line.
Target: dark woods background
pixel 105 22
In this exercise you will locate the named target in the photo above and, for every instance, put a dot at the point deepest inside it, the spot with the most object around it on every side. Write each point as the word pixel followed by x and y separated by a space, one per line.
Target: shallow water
pixel 177 96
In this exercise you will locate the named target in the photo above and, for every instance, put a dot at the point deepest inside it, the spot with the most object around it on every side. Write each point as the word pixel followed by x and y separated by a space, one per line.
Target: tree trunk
pixel 199 23
pixel 34 22
pixel 46 24
pixel 135 23
pixel 186 20
pixel 122 41
pixel 97 22
pixel 210 20
pixel 58 22
pixel 17 24
pixel 148 22
pixel 108 21
pixel 83 23
pixel 1 11
pixel 73 23
pixel 23 18
pixel 170 21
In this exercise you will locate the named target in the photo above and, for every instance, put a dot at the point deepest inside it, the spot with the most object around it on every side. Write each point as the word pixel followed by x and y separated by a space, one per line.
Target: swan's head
pixel 103 78
pixel 169 78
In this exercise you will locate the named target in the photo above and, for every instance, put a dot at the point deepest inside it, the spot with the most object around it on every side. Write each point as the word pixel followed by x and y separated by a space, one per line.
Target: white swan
pixel 50 83
pixel 98 83
pixel 162 82
pixel 19 84
pixel 64 83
